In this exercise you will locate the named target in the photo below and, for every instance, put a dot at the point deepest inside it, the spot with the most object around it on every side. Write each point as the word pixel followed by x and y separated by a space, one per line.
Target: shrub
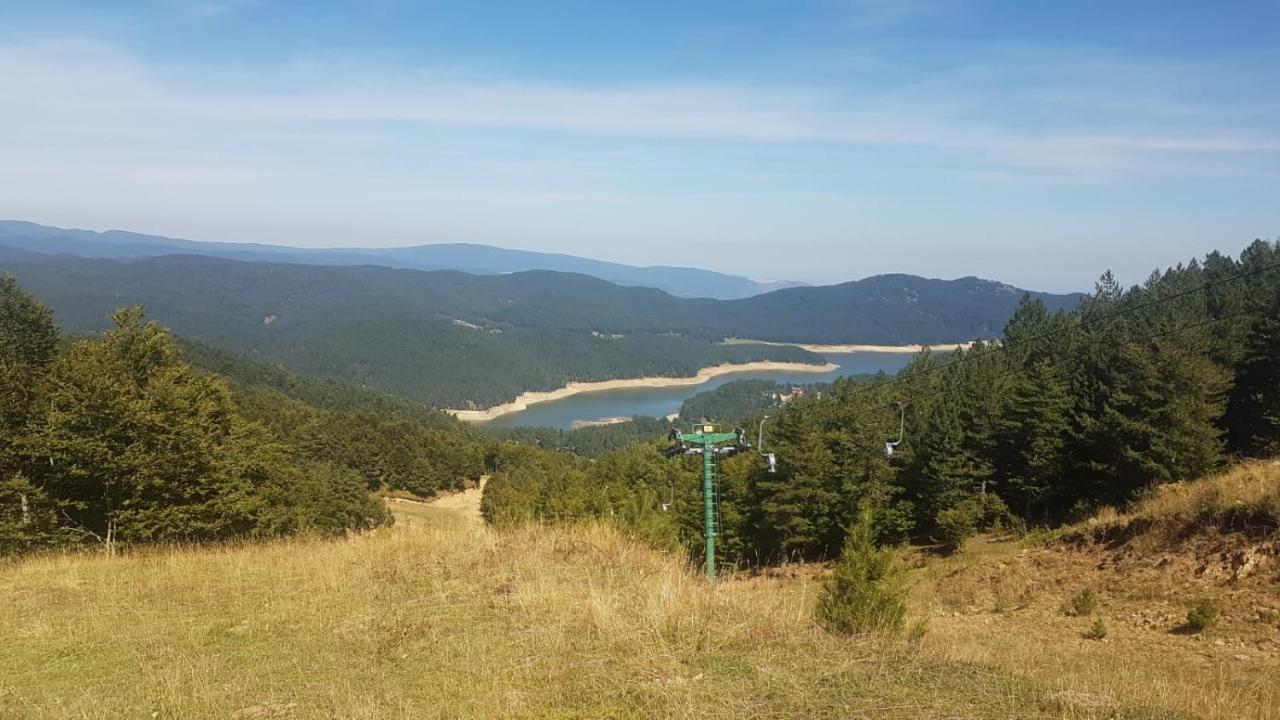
pixel 1041 536
pixel 1082 604
pixel 993 513
pixel 954 526
pixel 27 519
pixel 1096 631
pixel 865 593
pixel 1203 616
pixel 1082 510
pixel 1017 527
pixel 917 630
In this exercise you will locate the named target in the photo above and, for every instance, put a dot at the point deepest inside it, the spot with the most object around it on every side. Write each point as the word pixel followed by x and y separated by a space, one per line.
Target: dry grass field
pixel 439 617
pixel 1010 607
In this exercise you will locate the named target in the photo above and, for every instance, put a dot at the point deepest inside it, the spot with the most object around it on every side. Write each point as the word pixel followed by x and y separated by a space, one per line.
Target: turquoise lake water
pixel 659 402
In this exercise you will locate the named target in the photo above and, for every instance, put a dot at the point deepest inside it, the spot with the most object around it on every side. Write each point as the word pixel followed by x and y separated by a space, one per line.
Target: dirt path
pixel 465 503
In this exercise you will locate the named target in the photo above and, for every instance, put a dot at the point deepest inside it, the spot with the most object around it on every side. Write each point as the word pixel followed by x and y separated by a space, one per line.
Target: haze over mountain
pixel 467 257
pixel 452 339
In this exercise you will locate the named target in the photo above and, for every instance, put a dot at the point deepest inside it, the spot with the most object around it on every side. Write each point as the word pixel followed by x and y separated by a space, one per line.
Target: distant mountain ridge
pixel 448 338
pixel 466 257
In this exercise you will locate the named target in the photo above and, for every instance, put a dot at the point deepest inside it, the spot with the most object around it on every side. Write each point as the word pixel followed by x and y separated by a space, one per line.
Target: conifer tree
pixel 1030 436
pixel 1255 399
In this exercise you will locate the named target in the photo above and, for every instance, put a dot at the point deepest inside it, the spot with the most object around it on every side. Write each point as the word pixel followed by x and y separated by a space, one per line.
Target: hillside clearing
pixel 1005 605
pixel 440 617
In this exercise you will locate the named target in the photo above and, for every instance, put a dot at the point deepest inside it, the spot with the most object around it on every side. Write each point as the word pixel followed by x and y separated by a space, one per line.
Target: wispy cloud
pixel 78 92
pixel 212 8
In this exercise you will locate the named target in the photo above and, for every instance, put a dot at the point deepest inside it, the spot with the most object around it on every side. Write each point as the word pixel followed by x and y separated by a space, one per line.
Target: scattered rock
pixel 1244 562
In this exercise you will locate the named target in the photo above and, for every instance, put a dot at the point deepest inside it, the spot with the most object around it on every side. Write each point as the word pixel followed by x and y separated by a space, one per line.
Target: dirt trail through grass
pixel 442 617
pixel 466 503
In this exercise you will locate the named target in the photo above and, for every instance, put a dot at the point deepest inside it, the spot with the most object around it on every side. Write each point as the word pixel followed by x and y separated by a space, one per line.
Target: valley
pixel 1023 528
pixel 857 360
pixel 465 342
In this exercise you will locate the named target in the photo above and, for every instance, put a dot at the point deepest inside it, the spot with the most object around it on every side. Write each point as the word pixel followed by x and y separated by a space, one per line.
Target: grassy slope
pixel 1000 603
pixel 438 617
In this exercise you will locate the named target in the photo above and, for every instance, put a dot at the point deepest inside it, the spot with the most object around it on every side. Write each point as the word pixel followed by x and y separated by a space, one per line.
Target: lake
pixel 660 402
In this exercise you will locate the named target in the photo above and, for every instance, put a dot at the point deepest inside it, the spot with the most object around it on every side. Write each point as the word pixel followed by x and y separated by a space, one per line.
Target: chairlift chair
pixel 769 458
pixel 889 447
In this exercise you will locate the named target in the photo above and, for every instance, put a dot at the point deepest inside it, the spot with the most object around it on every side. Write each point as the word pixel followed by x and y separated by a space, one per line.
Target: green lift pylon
pixel 707 441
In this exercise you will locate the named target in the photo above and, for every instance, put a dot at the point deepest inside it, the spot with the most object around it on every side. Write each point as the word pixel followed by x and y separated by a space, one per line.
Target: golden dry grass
pixel 1000 604
pixel 1246 494
pixel 440 618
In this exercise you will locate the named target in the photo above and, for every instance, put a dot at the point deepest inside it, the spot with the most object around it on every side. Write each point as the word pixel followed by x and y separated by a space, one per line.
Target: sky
pixel 1031 142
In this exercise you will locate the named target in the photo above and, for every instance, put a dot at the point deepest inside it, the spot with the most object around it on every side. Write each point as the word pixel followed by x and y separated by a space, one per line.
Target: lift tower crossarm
pixel 712 439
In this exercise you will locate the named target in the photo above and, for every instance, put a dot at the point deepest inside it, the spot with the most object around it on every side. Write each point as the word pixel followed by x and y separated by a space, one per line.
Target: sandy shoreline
pixel 853 348
pixel 577 388
pixel 602 422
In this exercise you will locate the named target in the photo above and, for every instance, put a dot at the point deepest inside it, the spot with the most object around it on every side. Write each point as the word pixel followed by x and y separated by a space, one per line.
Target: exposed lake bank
pixel 525 400
pixel 823 349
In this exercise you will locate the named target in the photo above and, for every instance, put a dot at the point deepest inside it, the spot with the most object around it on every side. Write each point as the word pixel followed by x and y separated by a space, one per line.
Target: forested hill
pixel 882 310
pixel 449 339
pixel 467 257
pixel 423 336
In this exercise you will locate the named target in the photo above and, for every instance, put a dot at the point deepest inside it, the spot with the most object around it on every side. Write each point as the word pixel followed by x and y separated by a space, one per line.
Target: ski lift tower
pixel 708 441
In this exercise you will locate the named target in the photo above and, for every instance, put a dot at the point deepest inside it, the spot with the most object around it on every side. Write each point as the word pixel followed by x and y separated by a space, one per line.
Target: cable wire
pixel 1080 325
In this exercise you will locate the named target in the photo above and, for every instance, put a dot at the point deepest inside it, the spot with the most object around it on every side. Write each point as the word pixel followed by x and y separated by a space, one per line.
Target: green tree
pixel 135 446
pixel 28 518
pixel 1030 436
pixel 28 346
pixel 1148 395
pixel 865 592
pixel 1254 404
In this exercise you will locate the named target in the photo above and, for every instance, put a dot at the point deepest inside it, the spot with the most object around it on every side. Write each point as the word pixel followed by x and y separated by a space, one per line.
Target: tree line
pixel 118 440
pixel 443 339
pixel 1068 412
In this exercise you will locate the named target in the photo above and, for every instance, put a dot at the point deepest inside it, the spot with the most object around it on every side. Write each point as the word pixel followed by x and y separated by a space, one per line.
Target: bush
pixel 1017 527
pixel 993 513
pixel 865 593
pixel 955 525
pixel 332 499
pixel 1041 536
pixel 27 518
pixel 1096 631
pixel 1082 604
pixel 1203 616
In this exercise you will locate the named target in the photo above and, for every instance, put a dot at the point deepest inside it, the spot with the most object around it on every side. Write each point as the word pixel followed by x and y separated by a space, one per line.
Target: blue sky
pixel 1036 143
